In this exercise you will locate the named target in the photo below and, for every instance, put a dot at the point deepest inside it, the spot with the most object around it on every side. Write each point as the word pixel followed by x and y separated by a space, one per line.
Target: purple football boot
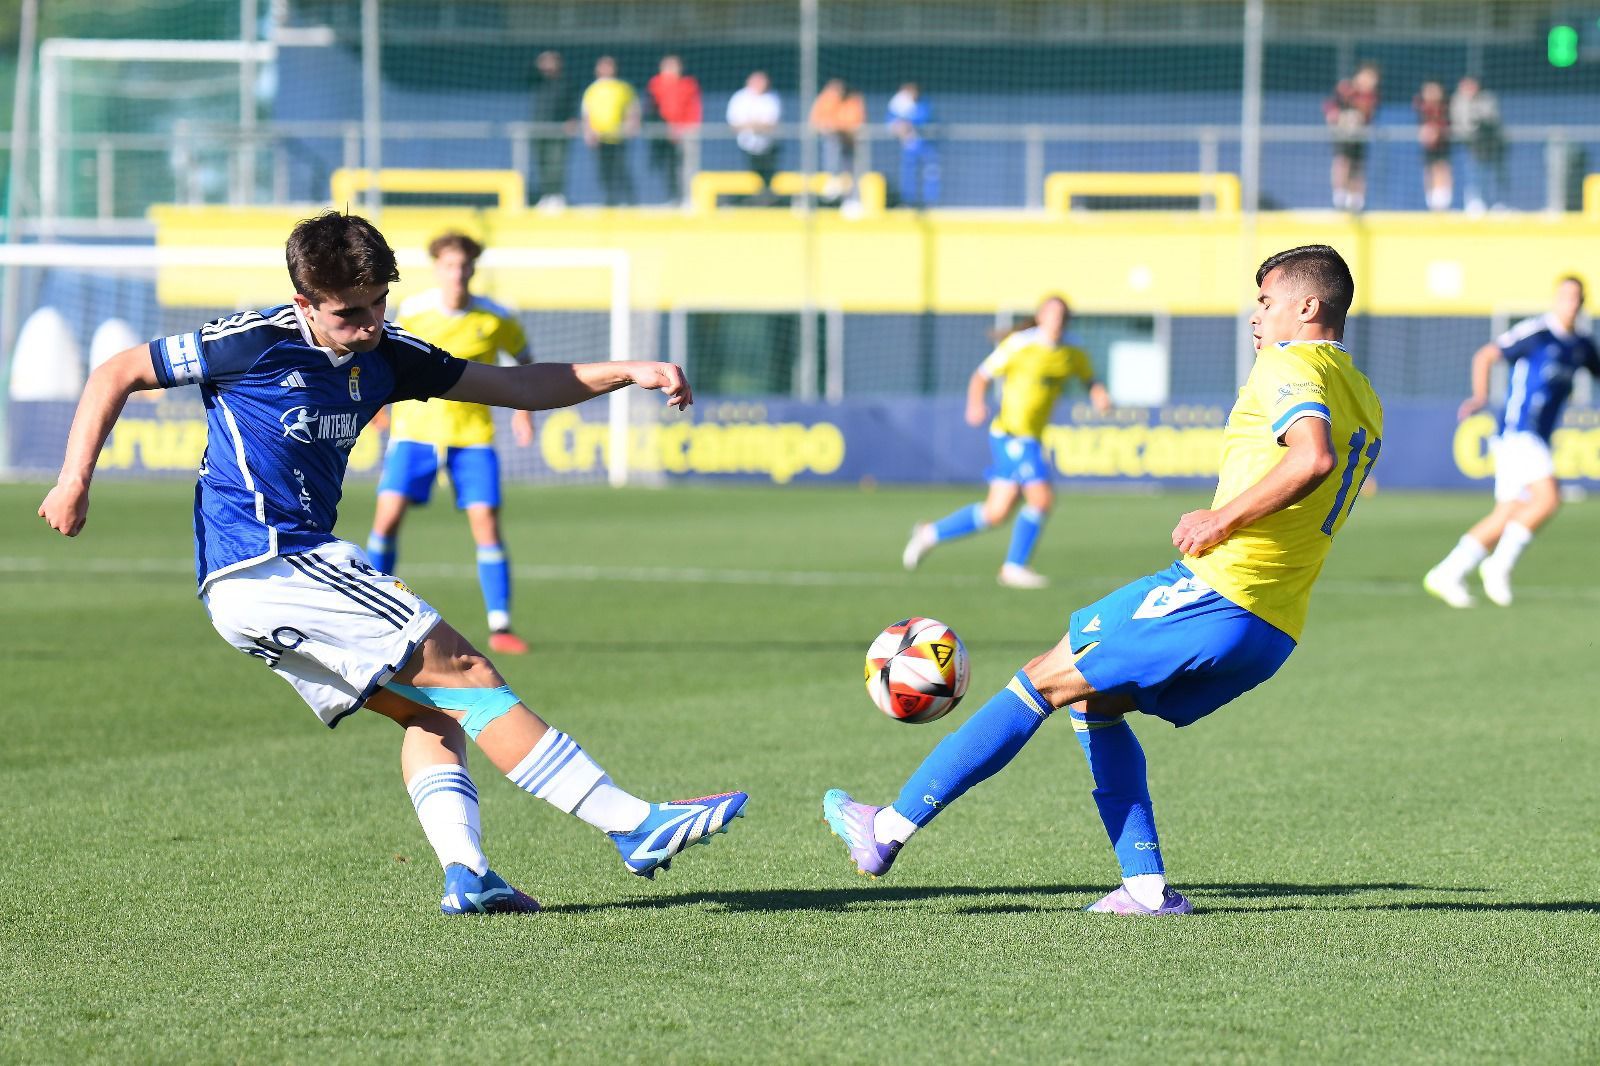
pixel 1122 902
pixel 851 822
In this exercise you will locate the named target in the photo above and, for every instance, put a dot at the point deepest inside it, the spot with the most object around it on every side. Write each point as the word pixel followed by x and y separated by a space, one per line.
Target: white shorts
pixel 325 620
pixel 1520 459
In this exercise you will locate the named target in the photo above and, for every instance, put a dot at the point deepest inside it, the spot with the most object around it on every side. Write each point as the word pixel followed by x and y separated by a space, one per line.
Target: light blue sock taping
pixel 482 705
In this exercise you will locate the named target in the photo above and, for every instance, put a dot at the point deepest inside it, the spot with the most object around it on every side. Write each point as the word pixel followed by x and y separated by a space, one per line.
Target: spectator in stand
pixel 837 115
pixel 1349 111
pixel 754 113
pixel 610 117
pixel 1475 120
pixel 909 119
pixel 555 102
pixel 1433 134
pixel 675 99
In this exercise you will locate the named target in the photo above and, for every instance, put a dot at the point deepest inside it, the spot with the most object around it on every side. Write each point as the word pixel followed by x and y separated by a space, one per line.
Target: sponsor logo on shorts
pixel 1093 626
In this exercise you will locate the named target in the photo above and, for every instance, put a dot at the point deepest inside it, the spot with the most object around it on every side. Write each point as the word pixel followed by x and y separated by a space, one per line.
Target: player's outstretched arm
pixel 1307 461
pixel 978 397
pixel 1482 361
pixel 545 386
pixel 66 507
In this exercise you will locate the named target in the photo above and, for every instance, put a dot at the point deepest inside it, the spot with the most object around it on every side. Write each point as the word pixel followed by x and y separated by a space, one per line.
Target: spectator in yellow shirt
pixel 610 118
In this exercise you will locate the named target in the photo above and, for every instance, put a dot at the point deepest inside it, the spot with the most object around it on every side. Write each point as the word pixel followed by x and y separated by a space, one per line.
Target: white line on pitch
pixel 694 575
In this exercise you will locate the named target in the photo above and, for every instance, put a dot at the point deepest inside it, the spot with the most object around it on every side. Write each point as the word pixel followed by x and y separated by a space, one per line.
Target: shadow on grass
pixel 1071 897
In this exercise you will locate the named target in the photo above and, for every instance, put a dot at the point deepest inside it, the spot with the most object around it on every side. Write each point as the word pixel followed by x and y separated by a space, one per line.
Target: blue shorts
pixel 1177 647
pixel 1018 459
pixel 410 467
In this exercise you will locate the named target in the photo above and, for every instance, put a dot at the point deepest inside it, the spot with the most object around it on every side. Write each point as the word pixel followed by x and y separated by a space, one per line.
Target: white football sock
pixel 889 826
pixel 499 621
pixel 447 806
pixel 1512 541
pixel 1148 890
pixel 1466 555
pixel 559 772
pixel 611 810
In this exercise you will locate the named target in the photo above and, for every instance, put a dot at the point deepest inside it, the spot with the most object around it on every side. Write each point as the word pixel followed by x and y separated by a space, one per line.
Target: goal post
pixel 575 304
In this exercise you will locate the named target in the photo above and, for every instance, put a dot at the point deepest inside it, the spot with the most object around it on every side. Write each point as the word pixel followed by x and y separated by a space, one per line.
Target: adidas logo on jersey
pixel 293 381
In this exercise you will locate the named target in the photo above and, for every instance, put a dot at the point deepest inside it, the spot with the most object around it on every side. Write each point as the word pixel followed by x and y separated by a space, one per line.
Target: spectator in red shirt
pixel 1349 112
pixel 1433 134
pixel 675 100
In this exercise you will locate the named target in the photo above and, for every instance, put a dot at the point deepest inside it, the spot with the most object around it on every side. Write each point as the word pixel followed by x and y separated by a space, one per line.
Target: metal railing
pixel 114 177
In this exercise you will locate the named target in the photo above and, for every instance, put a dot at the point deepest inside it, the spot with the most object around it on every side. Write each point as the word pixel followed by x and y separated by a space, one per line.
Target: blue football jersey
pixel 282 414
pixel 1543 360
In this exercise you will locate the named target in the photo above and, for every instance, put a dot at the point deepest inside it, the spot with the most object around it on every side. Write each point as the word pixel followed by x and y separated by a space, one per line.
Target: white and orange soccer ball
pixel 917 670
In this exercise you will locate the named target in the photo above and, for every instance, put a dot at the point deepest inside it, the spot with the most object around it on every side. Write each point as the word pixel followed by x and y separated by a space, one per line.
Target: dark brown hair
pixel 453 241
pixel 1583 289
pixel 336 251
pixel 1033 320
pixel 1319 271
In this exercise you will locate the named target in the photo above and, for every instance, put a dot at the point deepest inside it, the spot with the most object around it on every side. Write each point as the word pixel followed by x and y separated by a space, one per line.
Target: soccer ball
pixel 917 670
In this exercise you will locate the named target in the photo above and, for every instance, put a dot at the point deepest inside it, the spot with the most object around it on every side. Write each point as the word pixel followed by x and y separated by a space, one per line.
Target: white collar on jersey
pixel 311 340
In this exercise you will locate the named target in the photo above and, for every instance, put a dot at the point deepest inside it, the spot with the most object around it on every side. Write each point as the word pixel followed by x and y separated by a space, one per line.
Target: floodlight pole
pixel 11 287
pixel 371 102
pixel 1250 166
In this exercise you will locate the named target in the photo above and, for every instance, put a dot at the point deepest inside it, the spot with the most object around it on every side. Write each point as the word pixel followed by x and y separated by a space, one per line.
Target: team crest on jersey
pixel 355 383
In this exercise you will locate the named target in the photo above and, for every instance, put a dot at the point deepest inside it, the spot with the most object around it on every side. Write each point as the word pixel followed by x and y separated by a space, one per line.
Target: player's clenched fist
pixel 1199 531
pixel 669 378
pixel 66 508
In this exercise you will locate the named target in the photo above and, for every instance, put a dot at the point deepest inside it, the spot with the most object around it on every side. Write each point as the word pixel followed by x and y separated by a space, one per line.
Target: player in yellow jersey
pixel 1299 444
pixel 459 435
pixel 1034 363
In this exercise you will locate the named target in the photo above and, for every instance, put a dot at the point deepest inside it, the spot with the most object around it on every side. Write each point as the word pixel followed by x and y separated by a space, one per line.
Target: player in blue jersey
pixel 287 392
pixel 1300 442
pixel 1544 353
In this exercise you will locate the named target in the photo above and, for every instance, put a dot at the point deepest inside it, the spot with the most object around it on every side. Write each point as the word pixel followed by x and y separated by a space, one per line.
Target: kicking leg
pixel 447 673
pixel 973 518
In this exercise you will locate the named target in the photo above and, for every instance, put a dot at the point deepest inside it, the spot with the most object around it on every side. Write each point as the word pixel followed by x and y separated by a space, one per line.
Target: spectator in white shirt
pixel 754 112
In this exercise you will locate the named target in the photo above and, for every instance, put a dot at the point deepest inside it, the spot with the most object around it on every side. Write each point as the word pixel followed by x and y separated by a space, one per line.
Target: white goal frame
pixel 142 257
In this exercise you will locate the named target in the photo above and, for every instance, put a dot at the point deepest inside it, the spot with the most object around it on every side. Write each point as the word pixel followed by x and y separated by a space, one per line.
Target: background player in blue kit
pixel 287 392
pixel 1544 352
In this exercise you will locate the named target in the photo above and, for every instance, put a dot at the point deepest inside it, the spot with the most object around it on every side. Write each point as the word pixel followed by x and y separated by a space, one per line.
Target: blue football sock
pixel 1120 790
pixel 1025 534
pixel 380 552
pixel 494 576
pixel 960 523
pixel 975 752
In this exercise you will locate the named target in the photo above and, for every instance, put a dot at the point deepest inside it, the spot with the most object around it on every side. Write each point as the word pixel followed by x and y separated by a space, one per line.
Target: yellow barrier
pixel 350 182
pixel 708 185
pixel 1061 187
pixel 1591 196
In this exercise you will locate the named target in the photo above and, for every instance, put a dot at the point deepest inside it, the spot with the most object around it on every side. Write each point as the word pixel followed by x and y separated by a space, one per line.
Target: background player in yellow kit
pixel 458 435
pixel 1299 444
pixel 1033 364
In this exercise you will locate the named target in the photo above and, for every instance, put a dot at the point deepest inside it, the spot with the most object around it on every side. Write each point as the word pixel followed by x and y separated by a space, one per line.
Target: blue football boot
pixel 671 827
pixel 468 893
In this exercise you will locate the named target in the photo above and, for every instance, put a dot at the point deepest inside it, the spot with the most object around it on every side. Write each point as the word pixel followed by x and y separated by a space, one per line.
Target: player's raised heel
pixel 1122 902
pixel 917 548
pixel 468 893
pixel 1452 590
pixel 852 822
pixel 671 827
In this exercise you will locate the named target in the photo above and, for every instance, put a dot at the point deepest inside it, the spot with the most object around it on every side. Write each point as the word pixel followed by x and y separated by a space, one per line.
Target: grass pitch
pixel 1391 843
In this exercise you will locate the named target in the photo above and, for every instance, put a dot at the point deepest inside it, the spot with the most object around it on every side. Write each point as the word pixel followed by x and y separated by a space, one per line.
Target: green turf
pixel 1392 843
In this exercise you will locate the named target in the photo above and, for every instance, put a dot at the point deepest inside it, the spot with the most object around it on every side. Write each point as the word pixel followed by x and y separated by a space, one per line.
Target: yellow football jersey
pixel 1268 567
pixel 1034 373
pixel 606 103
pixel 479 332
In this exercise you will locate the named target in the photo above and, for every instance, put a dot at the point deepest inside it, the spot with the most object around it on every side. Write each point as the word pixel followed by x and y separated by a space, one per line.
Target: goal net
pixel 79 304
